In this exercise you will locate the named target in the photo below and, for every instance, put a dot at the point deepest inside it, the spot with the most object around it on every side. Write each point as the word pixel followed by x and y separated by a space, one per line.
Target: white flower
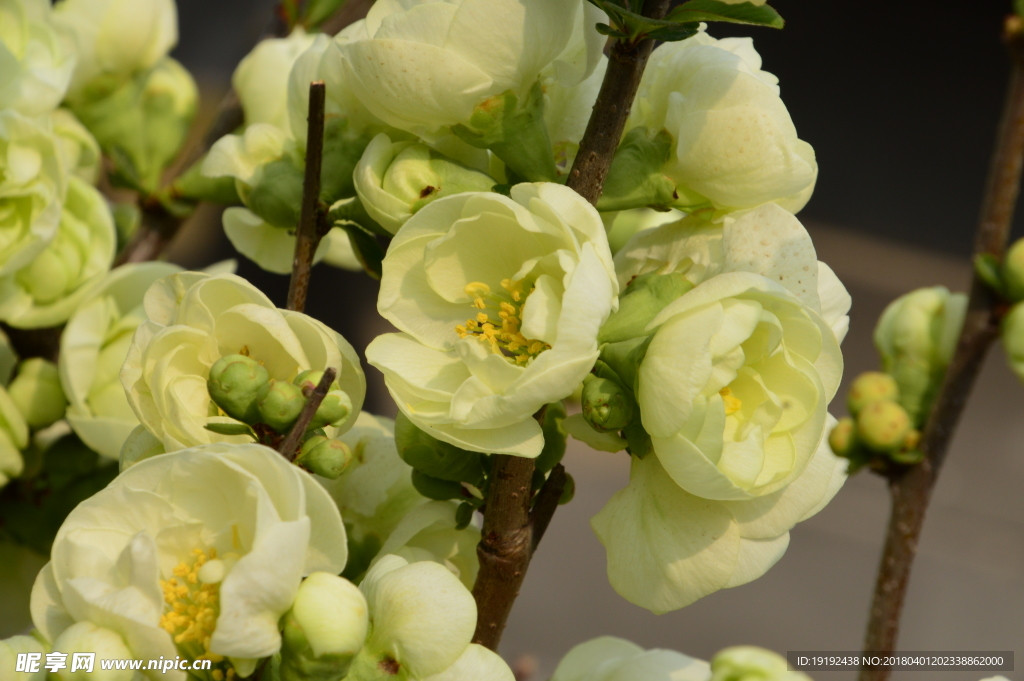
pixel 36 68
pixel 426 65
pixel 733 391
pixel 230 529
pixel 734 144
pixel 115 39
pixel 499 302
pixel 94 345
pixel 47 290
pixel 10 648
pixel 261 78
pixel 193 319
pixel 608 658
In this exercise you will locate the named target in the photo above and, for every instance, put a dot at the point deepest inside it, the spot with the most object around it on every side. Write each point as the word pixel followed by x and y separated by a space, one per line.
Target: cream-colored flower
pixel 94 346
pixel 80 149
pixel 33 183
pixel 199 552
pixel 116 39
pixel 47 290
pixel 426 65
pixel 13 429
pixel 11 647
pixel 261 78
pixel 192 320
pixel 734 144
pixel 35 67
pixel 499 301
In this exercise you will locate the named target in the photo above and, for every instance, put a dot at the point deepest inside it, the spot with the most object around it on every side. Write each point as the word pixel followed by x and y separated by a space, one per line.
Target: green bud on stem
pixel 607 406
pixel 234 382
pixel 37 394
pixel 327 458
pixel 280 404
pixel 883 426
pixel 871 386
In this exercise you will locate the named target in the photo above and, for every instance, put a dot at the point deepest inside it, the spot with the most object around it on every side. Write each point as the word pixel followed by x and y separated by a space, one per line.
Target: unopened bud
pixel 843 437
pixel 86 637
pixel 335 407
pixel 310 379
pixel 10 648
pixel 883 425
pixel 280 404
pixel 37 394
pixel 871 386
pixel 276 193
pixel 606 405
pixel 327 458
pixel 1013 271
pixel 324 629
pixel 569 491
pixel 234 382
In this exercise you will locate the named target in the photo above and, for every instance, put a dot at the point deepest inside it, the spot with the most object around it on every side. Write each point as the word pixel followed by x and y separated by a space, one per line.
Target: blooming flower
pixel 499 301
pixel 37 68
pixel 192 320
pixel 261 78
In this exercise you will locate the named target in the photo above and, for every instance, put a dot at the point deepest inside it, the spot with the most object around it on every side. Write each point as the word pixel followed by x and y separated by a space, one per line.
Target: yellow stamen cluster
pixel 732 404
pixel 191 614
pixel 502 330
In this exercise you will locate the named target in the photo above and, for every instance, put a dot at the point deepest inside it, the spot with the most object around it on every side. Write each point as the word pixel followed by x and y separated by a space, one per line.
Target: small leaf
pixel 714 10
pixel 670 34
pixel 986 266
pixel 605 29
pixel 463 515
pixel 318 11
pixel 230 429
pixel 367 250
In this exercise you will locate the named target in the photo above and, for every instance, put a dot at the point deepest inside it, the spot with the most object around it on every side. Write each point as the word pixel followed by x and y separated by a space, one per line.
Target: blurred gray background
pixel 901 109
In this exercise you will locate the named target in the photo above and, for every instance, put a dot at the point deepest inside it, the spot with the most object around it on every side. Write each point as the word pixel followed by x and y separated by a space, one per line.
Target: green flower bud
pixel 234 383
pixel 515 132
pixel 916 337
pixel 883 425
pixel 327 458
pixel 871 386
pixel 435 459
pixel 607 406
pixel 276 193
pixel 37 394
pixel 323 631
pixel 1013 271
pixel 310 379
pixel 640 303
pixel 280 404
pixel 569 491
pixel 1012 332
pixel 843 438
pixel 335 407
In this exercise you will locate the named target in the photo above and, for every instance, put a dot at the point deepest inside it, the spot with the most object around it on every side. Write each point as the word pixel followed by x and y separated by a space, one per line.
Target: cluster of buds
pixel 1007 280
pixel 879 428
pixel 243 389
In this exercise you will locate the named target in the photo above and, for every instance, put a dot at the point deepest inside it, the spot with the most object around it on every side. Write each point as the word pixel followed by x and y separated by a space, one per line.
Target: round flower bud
pixel 310 379
pixel 1013 271
pixel 335 407
pixel 606 404
pixel 1012 334
pixel 325 628
pixel 750 662
pixel 842 439
pixel 86 637
pixel 37 394
pixel 327 458
pixel 883 425
pixel 233 384
pixel 871 386
pixel 280 404
pixel 11 647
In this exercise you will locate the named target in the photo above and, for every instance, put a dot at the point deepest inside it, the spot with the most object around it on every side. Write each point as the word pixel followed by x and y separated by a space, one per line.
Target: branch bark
pixel 290 445
pixel 911 488
pixel 626 63
pixel 312 220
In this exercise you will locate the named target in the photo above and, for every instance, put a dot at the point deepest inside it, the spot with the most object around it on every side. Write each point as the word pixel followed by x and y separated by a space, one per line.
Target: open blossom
pixel 194 319
pixel 426 66
pixel 94 346
pixel 47 290
pixel 732 389
pixel 33 184
pixel 196 553
pixel 734 144
pixel 37 67
pixel 261 78
pixel 13 429
pixel 498 301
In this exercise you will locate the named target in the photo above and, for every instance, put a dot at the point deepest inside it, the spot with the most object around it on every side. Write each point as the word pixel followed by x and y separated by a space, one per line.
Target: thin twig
pixel 505 546
pixel 546 503
pixel 290 445
pixel 911 488
pixel 309 233
pixel 626 62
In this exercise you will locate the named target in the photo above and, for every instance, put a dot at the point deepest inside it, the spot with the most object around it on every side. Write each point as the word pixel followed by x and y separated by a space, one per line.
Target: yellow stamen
pixel 732 404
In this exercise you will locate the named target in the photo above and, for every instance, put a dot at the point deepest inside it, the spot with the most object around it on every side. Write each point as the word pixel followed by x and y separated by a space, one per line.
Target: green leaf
pixel 714 10
pixel 554 438
pixel 435 458
pixel 671 34
pixel 367 250
pixel 433 488
pixel 230 429
pixel 986 266
pixel 318 11
pixel 605 29
pixel 463 515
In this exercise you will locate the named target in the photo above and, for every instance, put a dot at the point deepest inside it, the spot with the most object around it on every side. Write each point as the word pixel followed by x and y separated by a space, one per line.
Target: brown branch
pixel 626 62
pixel 290 445
pixel 312 218
pixel 546 503
pixel 505 546
pixel 911 488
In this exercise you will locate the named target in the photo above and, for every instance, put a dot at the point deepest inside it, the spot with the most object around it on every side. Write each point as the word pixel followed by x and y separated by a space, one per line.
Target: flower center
pixel 501 330
pixel 192 598
pixel 732 403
